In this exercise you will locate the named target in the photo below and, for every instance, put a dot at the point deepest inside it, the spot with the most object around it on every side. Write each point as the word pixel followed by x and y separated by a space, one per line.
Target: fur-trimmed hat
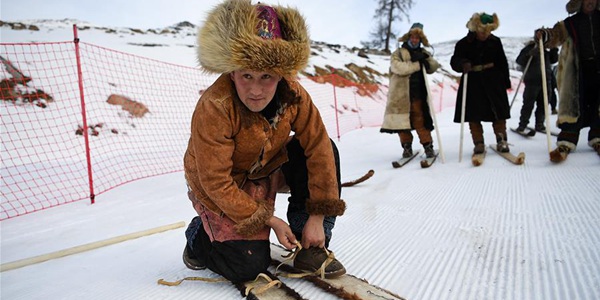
pixel 574 6
pixel 416 28
pixel 482 22
pixel 238 35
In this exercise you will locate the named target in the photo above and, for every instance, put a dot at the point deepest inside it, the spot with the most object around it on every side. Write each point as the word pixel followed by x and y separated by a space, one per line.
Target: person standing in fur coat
pixel 407 107
pixel 578 75
pixel 241 152
pixel 481 55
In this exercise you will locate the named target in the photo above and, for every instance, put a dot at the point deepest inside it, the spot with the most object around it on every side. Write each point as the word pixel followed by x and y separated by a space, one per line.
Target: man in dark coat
pixel 532 79
pixel 481 55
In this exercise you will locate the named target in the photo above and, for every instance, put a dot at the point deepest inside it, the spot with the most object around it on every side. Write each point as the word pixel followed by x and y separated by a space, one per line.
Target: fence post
pixel 442 95
pixel 84 115
pixel 337 121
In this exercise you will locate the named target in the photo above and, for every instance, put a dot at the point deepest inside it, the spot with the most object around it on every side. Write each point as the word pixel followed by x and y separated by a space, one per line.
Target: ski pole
pixel 520 81
pixel 462 116
pixel 545 92
pixel 432 112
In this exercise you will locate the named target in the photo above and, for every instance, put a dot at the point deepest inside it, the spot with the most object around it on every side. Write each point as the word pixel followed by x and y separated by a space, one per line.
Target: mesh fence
pixel 80 119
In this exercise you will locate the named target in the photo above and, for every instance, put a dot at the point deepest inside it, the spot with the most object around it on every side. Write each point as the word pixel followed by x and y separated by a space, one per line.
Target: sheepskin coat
pixel 229 144
pixel 487 99
pixel 397 111
pixel 568 77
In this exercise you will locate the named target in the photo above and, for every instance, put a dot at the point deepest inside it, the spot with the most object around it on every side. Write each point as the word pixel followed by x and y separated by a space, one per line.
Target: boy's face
pixel 256 89
pixel 482 36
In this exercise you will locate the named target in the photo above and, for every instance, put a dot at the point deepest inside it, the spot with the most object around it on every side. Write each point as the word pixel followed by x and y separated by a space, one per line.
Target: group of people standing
pixel 481 59
pixel 255 131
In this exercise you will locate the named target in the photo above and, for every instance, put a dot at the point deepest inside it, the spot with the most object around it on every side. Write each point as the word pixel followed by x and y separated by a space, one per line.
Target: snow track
pixel 453 231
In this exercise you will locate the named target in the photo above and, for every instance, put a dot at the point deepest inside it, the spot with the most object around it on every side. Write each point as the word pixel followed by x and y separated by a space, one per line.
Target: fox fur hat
pixel 416 28
pixel 239 35
pixel 574 6
pixel 482 22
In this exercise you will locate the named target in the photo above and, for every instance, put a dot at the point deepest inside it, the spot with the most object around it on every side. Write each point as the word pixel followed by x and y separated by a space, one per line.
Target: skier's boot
pixel 408 152
pixel 429 152
pixel 521 129
pixel 502 144
pixel 192 233
pixel 539 127
pixel 477 136
pixel 479 148
pixel 313 259
pixel 559 154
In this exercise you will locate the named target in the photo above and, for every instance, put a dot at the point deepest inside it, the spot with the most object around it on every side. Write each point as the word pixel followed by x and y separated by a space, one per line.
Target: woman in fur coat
pixel 481 55
pixel 407 107
pixel 578 75
pixel 240 151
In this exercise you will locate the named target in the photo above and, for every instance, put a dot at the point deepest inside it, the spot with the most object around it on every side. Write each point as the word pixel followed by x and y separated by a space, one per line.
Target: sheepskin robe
pixel 397 110
pixel 568 77
pixel 229 144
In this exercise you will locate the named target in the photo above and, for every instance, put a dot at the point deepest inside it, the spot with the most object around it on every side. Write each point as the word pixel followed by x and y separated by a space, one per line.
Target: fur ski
pixel 553 133
pixel 428 161
pixel 477 159
pixel 527 133
pixel 348 287
pixel 280 291
pixel 401 162
pixel 359 180
pixel 517 160
pixel 266 286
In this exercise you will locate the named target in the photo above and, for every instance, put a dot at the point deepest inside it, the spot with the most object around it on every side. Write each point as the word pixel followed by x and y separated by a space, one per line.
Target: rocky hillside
pixel 176 44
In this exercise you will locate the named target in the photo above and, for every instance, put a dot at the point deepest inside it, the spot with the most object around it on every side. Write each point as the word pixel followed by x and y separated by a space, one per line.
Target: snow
pixel 453 231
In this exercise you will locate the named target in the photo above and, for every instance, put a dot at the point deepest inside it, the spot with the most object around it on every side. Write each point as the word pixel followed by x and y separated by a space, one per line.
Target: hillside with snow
pixel 452 231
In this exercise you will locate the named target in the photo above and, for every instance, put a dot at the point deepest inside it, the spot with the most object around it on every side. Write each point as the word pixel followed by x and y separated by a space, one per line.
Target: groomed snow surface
pixel 453 231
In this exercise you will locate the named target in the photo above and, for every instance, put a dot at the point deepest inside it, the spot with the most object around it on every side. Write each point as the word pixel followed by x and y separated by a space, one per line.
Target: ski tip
pixel 556 157
pixel 520 158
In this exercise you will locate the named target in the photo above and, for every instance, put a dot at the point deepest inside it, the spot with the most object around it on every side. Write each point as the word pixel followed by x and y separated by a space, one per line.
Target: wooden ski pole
pixel 86 247
pixel 462 115
pixel 520 81
pixel 433 116
pixel 545 92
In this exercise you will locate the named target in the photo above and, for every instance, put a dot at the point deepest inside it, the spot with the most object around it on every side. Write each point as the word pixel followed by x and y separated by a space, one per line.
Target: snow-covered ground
pixel 453 231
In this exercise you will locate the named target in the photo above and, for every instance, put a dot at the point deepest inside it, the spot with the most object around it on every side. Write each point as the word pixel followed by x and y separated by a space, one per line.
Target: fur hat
pixel 416 28
pixel 574 6
pixel 238 35
pixel 482 22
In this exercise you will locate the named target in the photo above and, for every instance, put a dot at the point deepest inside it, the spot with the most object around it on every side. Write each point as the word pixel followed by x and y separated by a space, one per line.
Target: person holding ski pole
pixel 240 152
pixel 578 75
pixel 481 55
pixel 533 94
pixel 407 106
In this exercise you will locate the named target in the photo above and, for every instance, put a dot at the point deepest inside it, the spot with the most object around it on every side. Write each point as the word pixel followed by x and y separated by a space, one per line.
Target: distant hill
pixel 176 44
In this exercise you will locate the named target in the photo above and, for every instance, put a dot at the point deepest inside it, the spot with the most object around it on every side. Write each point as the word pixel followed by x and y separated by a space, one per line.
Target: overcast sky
pixel 346 22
